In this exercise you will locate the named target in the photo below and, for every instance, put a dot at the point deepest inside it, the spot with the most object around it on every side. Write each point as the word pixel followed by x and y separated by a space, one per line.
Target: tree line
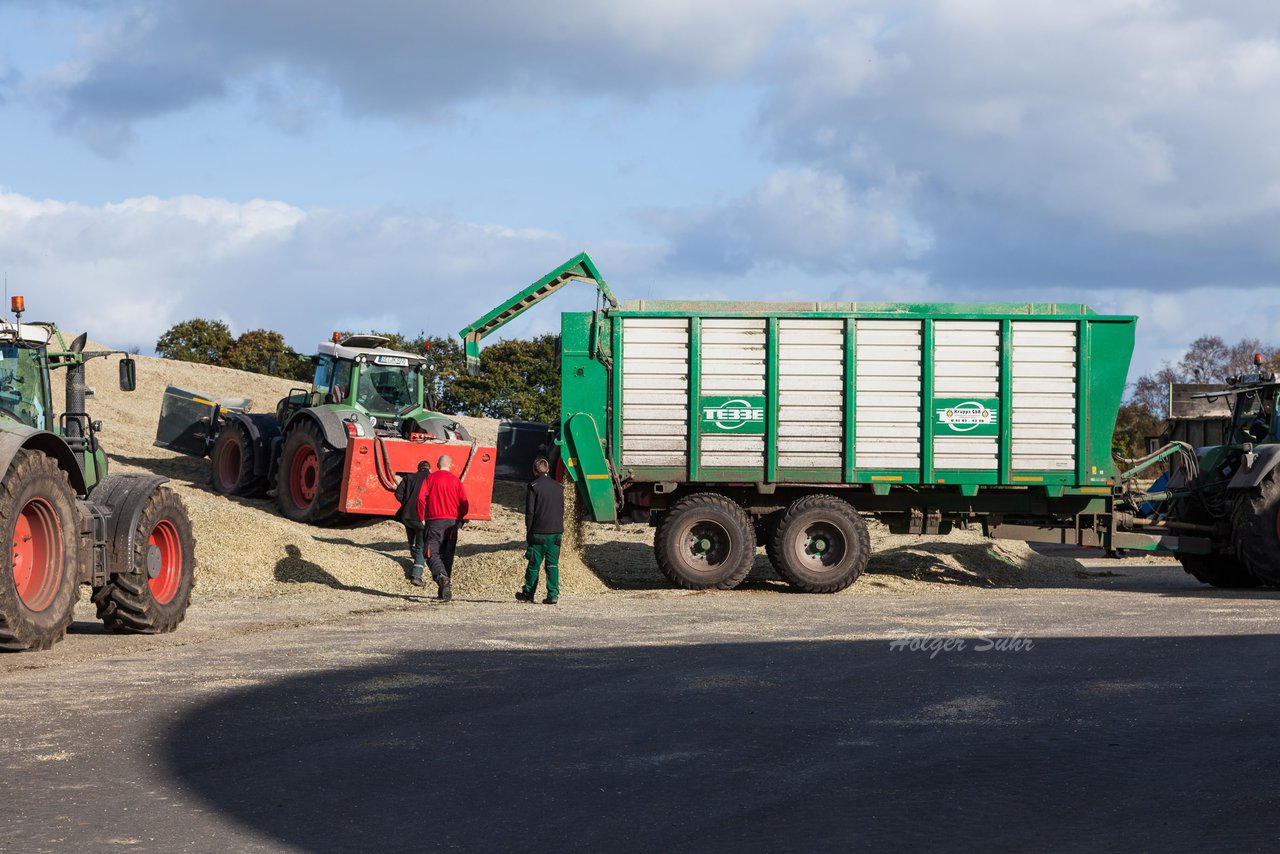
pixel 519 378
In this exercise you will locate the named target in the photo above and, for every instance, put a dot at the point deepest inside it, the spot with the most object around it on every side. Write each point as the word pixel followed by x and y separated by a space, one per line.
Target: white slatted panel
pixel 1044 396
pixel 810 376
pixel 733 362
pixel 966 364
pixel 655 391
pixel 888 401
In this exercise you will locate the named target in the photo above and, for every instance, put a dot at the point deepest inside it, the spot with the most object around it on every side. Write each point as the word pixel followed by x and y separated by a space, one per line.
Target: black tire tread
pixel 125 604
pixel 17 632
pixel 247 483
pixel 1253 528
pixel 807 504
pixel 700 502
pixel 324 509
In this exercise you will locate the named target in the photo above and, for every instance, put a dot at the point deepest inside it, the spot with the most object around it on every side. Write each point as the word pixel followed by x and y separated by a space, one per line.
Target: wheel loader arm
pixel 577 269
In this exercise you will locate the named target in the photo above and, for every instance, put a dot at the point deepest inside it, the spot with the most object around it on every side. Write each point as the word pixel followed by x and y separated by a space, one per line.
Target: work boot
pixel 446 589
pixel 550 600
pixel 521 596
pixel 416 581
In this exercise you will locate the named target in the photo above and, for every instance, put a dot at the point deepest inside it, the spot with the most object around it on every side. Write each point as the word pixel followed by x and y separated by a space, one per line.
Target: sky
pixel 310 165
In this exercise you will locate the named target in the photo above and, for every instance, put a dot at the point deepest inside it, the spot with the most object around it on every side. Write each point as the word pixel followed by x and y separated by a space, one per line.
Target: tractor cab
pixel 1253 418
pixel 24 376
pixel 359 373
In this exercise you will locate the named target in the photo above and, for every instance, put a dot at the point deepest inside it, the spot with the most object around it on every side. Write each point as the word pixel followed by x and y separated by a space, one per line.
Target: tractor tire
pixel 40 527
pixel 232 469
pixel 766 529
pixel 1255 527
pixel 309 482
pixel 820 544
pixel 705 541
pixel 155 600
pixel 1219 570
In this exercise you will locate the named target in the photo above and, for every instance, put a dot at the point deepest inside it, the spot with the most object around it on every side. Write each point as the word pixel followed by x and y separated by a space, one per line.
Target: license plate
pixel 399 361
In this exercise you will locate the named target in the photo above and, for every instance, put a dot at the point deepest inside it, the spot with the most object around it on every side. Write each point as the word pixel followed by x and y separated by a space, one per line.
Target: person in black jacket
pixel 415 530
pixel 544 526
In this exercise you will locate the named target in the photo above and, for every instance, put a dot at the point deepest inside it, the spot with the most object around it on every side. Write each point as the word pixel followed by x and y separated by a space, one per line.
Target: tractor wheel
pixel 705 541
pixel 232 458
pixel 1255 527
pixel 39 587
pixel 309 483
pixel 1220 570
pixel 820 544
pixel 155 599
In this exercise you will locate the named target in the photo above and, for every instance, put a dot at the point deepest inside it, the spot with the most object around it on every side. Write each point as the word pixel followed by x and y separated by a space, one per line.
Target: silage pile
pixel 245 547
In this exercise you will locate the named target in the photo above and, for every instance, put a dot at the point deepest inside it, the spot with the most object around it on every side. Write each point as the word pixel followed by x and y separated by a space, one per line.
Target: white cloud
pixel 129 270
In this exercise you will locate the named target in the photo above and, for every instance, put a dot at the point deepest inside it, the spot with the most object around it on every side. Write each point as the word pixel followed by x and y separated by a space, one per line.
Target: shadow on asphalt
pixel 1076 743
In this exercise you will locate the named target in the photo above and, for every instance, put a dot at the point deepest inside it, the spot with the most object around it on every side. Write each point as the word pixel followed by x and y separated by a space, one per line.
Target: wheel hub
pixel 37 554
pixel 708 543
pixel 164 561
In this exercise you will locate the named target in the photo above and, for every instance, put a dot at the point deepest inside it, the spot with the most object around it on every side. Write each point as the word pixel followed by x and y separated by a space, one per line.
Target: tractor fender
pixel 262 428
pixel 14 439
pixel 330 419
pixel 1266 458
pixel 125 496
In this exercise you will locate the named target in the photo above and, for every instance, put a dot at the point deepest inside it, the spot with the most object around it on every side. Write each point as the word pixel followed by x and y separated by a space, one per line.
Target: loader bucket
pixel 519 444
pixel 187 419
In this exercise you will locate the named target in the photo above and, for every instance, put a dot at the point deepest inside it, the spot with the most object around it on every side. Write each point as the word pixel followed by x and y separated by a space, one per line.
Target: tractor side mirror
pixel 128 374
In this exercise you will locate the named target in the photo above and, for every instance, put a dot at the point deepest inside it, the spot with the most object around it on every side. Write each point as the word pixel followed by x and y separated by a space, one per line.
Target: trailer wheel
pixel 232 458
pixel 154 599
pixel 40 525
pixel 1256 530
pixel 821 544
pixel 705 541
pixel 309 483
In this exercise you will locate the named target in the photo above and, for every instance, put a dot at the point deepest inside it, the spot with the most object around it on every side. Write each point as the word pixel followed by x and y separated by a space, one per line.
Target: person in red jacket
pixel 442 504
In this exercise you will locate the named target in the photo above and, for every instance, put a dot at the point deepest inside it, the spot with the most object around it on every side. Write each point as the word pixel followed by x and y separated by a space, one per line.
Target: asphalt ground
pixel 1137 712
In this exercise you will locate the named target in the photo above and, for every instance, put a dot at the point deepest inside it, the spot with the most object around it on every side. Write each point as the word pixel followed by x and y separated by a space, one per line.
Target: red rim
pixel 229 466
pixel 164 539
pixel 37 554
pixel 304 474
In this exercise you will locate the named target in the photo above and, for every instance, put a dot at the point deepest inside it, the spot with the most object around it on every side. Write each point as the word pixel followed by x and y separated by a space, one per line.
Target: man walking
pixel 443 504
pixel 544 527
pixel 407 491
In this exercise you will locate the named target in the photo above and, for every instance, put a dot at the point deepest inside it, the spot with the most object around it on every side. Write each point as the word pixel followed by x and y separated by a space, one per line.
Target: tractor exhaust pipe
pixel 75 401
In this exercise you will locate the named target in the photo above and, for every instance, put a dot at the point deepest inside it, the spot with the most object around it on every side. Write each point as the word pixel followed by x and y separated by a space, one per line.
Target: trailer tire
pixel 821 544
pixel 309 481
pixel 705 541
pixel 40 528
pixel 1255 528
pixel 154 600
pixel 232 464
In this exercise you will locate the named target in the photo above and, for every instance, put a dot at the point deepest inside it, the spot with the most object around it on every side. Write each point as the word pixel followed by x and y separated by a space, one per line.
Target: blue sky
pixel 310 165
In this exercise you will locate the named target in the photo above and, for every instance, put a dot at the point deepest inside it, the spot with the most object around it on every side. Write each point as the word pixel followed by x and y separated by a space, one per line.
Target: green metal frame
pixel 580 268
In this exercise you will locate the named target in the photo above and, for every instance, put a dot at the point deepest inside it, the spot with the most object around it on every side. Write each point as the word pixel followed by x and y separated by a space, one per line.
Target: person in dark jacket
pixel 407 494
pixel 443 504
pixel 544 528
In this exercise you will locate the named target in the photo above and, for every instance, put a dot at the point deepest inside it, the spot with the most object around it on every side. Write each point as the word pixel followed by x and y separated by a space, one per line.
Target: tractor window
pixel 340 388
pixel 24 397
pixel 1254 415
pixel 324 374
pixel 387 389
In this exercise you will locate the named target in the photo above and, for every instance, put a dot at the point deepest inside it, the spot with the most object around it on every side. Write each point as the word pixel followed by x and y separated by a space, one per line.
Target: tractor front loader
pixel 334 450
pixel 64 521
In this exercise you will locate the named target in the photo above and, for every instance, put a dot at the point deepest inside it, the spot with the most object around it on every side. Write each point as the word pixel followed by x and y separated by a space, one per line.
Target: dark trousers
pixel 442 539
pixel 416 533
pixel 543 547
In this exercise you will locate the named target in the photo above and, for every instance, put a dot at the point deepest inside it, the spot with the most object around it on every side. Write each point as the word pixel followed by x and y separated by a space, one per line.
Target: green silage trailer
pixel 736 424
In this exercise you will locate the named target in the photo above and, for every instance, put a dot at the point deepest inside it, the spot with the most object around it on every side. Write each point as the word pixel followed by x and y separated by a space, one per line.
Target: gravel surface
pixel 245 547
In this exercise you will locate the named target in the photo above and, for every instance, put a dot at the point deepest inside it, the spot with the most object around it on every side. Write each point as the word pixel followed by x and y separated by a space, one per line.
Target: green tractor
pixel 1232 491
pixel 65 521
pixel 335 449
